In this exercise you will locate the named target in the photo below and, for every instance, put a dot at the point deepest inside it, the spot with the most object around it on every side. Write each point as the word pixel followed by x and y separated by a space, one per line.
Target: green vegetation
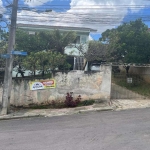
pixel 55 40
pixel 96 51
pixel 128 43
pixel 138 85
pixel 46 62
pixel 45 51
pixel 57 105
pixel 3 46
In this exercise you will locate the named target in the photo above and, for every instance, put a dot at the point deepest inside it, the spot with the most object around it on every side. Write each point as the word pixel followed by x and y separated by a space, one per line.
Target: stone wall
pixel 96 86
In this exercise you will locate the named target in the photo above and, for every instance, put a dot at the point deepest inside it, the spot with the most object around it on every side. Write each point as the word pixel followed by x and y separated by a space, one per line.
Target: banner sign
pixel 42 84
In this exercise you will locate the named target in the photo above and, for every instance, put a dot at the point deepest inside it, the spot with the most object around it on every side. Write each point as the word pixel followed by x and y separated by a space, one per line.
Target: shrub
pixel 70 102
pixel 86 103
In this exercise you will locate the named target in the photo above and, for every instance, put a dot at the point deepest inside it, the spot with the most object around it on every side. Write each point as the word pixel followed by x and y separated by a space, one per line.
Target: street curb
pixel 93 110
pixel 107 109
pixel 7 117
pixel 19 117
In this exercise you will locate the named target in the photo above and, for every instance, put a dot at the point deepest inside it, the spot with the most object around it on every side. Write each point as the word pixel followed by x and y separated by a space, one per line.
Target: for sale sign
pixel 40 85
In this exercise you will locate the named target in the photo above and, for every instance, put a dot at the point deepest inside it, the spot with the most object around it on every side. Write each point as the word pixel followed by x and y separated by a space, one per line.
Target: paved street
pixel 111 130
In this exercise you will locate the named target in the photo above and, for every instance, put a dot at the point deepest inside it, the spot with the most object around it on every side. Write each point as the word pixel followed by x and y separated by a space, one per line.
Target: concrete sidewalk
pixel 116 105
pixel 25 113
pixel 124 104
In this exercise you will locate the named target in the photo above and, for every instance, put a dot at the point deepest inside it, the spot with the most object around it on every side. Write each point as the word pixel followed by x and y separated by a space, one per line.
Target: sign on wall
pixel 42 84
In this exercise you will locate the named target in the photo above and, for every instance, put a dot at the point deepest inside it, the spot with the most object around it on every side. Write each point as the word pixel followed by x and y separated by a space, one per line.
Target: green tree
pixel 56 60
pixel 96 51
pixel 31 62
pixel 32 43
pixel 3 46
pixel 128 43
pixel 42 61
pixel 38 45
pixel 54 40
pixel 58 41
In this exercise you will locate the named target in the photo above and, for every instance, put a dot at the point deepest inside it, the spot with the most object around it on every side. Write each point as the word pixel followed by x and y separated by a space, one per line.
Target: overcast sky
pixel 96 14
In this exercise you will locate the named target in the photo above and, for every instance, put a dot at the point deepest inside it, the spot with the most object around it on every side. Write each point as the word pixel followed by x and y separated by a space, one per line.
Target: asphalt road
pixel 123 130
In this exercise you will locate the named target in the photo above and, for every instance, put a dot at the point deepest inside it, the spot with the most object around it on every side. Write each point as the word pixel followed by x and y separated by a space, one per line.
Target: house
pixel 73 50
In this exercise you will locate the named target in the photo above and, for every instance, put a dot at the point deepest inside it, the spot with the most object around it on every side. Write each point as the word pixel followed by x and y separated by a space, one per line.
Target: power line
pixel 107 15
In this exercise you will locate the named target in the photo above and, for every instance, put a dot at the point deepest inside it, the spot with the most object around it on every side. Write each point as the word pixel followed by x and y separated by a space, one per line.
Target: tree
pixel 3 41
pixel 44 61
pixel 128 43
pixel 31 62
pixel 54 40
pixel 3 48
pixel 32 43
pixel 56 60
pixel 96 51
pixel 38 47
pixel 58 41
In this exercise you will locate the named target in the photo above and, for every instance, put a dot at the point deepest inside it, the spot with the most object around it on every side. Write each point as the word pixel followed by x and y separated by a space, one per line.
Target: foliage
pixel 70 102
pixel 96 51
pixel 31 62
pixel 45 61
pixel 86 103
pixel 56 60
pixel 128 43
pixel 42 62
pixel 58 41
pixel 54 40
pixel 3 47
pixel 32 43
pixel 45 50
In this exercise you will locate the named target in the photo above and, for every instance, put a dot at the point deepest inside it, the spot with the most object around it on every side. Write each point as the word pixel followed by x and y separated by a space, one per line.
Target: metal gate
pixel 129 85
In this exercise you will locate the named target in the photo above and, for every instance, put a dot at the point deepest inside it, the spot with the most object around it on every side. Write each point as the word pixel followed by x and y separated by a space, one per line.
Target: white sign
pixel 37 86
pixel 129 80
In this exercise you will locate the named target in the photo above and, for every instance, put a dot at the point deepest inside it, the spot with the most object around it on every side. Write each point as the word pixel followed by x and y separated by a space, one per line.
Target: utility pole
pixel 1 16
pixel 9 61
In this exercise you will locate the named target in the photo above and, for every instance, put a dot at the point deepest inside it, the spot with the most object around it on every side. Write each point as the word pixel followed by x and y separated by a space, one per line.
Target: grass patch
pixel 86 103
pixel 138 85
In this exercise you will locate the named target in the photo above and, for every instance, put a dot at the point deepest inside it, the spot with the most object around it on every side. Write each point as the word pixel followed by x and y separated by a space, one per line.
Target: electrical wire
pixel 106 16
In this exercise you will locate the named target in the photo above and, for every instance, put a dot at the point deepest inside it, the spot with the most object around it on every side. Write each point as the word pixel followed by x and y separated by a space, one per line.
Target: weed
pixel 86 103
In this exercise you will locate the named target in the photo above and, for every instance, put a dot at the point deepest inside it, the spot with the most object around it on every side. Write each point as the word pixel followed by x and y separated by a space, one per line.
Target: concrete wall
pixel 142 71
pixel 94 86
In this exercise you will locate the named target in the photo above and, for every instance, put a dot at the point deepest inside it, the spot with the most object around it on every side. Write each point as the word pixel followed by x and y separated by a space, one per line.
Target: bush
pixel 70 102
pixel 86 103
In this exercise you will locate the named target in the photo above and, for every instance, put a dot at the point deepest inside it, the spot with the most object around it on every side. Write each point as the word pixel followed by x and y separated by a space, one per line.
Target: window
pixel 77 40
pixel 83 39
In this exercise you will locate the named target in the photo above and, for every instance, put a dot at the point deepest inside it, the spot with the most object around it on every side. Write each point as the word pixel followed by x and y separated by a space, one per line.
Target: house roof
pixel 46 27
